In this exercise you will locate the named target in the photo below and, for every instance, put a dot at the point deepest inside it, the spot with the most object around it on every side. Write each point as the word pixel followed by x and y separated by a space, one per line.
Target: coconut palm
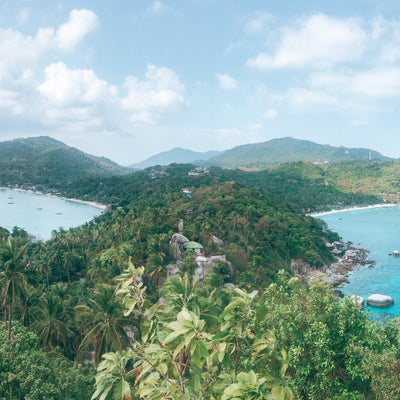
pixel 104 315
pixel 52 322
pixel 13 280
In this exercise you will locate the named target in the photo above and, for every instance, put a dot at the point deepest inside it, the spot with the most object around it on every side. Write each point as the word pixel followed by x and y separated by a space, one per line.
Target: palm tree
pixel 52 322
pixel 104 314
pixel 13 280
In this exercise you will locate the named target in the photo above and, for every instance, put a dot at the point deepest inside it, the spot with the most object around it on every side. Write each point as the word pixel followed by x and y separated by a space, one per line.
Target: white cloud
pixel 65 86
pixel 75 99
pixel 270 114
pixel 226 81
pixel 148 99
pixel 318 41
pixel 80 23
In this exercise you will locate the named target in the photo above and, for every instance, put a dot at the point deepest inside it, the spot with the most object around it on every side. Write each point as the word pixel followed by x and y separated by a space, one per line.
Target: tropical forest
pixel 123 308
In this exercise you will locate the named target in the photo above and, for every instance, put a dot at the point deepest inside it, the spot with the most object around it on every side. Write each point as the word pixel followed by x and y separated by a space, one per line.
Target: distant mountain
pixel 176 155
pixel 46 161
pixel 262 155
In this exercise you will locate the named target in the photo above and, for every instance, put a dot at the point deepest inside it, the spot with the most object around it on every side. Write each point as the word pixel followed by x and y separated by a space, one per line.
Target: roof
pixel 192 245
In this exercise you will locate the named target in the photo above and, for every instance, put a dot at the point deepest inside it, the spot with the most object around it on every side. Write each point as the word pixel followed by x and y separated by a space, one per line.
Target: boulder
pixel 358 300
pixel 176 246
pixel 379 300
pixel 205 264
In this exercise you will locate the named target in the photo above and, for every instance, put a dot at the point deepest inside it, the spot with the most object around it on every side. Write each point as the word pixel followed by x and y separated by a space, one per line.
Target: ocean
pixel 39 215
pixel 378 230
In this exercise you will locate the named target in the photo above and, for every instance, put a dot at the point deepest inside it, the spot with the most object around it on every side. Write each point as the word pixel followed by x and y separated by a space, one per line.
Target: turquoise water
pixel 378 230
pixel 39 215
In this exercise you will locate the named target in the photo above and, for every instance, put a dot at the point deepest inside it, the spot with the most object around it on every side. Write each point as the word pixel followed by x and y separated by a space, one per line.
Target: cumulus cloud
pixel 80 23
pixel 318 41
pixel 66 86
pixel 226 81
pixel 146 100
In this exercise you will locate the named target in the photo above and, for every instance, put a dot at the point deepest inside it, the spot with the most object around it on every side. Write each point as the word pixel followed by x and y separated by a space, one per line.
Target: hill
pixel 284 150
pixel 176 155
pixel 49 162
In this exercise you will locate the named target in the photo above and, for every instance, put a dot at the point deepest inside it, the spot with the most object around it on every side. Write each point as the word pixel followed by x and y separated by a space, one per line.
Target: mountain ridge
pixel 263 154
pixel 177 155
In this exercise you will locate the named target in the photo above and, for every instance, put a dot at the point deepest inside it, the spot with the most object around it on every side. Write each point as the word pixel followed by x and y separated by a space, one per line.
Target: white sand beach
pixel 320 214
pixel 90 203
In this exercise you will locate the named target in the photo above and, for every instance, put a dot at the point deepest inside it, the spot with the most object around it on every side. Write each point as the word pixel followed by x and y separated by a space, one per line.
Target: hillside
pixel 49 162
pixel 176 155
pixel 262 155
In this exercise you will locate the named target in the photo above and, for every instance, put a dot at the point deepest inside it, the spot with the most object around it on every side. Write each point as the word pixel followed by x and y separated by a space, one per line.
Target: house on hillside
pixel 199 171
pixel 195 246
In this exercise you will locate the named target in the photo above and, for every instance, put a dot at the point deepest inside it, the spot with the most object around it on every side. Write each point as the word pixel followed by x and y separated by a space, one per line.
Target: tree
pixel 13 278
pixel 52 321
pixel 103 314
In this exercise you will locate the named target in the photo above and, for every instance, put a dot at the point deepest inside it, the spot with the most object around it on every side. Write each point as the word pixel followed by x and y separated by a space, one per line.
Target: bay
pixel 39 214
pixel 378 230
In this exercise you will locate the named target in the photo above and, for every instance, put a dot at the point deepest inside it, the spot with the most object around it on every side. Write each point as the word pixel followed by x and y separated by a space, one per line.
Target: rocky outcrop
pixel 380 300
pixel 176 246
pixel 358 300
pixel 204 264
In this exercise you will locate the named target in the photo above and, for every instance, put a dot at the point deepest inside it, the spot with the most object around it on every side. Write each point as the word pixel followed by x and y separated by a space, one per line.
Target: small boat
pixel 396 253
pixel 59 213
pixel 10 202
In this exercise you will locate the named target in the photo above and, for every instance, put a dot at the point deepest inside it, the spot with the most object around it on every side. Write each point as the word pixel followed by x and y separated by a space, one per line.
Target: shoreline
pixel 355 208
pixel 87 202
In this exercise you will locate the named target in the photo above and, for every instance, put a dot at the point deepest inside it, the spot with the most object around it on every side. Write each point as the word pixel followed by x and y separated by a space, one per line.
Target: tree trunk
pixel 9 322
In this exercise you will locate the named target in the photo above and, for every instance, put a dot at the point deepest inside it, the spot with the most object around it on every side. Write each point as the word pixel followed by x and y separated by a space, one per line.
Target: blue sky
pixel 132 78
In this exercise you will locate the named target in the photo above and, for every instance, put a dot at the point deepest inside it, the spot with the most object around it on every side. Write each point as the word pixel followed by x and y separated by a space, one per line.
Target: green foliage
pixel 324 337
pixel 27 372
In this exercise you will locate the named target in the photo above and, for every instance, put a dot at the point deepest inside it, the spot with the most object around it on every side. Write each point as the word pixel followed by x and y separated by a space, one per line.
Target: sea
pixel 377 230
pixel 39 214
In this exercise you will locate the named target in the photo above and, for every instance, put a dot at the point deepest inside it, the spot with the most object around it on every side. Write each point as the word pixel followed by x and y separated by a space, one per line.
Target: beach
pixel 90 203
pixel 322 213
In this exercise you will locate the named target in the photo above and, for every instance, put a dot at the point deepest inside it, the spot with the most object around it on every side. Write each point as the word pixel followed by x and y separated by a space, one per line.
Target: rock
pixel 358 300
pixel 176 246
pixel 217 241
pixel 205 264
pixel 338 293
pixel 172 270
pixel 180 226
pixel 379 300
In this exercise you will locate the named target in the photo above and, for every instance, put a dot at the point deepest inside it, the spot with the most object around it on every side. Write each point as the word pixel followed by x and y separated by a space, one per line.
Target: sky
pixel 128 79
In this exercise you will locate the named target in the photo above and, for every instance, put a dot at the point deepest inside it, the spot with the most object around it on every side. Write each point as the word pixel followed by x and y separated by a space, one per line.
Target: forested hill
pixel 46 161
pixel 283 150
pixel 176 155
pixel 305 186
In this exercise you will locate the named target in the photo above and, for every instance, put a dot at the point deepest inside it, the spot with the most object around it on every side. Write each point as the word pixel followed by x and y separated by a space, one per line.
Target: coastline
pixel 89 203
pixel 322 213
